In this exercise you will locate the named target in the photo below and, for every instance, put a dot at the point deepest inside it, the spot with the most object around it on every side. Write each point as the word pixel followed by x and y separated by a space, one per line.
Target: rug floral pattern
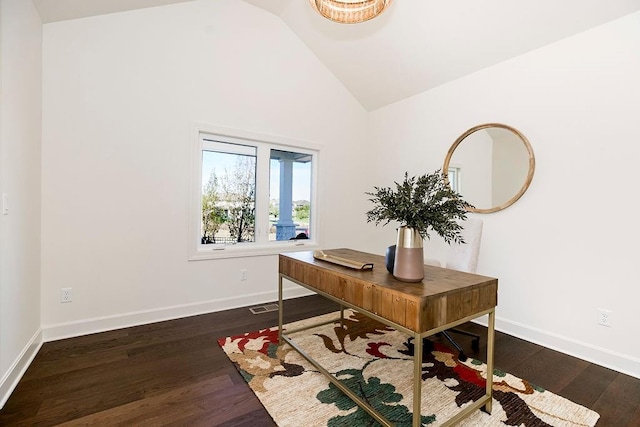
pixel 376 362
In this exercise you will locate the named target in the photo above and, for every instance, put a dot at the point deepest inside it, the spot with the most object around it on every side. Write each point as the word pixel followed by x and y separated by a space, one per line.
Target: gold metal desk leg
pixel 280 310
pixel 490 347
pixel 417 379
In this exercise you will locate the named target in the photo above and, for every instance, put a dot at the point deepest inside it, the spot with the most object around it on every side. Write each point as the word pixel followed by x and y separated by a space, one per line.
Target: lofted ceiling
pixel 415 45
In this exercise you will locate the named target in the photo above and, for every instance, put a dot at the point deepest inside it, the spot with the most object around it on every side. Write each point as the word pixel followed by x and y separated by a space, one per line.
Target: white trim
pixel 198 127
pixel 10 380
pixel 195 251
pixel 273 248
pixel 619 362
pixel 60 331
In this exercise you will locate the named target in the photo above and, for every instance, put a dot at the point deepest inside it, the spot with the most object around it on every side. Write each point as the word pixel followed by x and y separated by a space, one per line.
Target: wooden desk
pixel 444 299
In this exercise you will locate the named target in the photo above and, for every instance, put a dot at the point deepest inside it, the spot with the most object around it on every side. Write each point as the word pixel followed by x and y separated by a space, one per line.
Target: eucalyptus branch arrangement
pixel 424 202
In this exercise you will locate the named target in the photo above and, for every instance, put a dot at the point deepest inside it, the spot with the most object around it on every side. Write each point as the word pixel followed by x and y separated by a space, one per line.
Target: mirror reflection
pixel 491 166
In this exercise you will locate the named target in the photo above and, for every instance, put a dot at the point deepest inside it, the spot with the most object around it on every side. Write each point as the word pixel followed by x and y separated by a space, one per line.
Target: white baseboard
pixel 623 363
pixel 10 380
pixel 60 331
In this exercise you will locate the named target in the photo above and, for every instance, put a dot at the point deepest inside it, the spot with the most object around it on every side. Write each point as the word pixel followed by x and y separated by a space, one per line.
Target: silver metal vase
pixel 409 260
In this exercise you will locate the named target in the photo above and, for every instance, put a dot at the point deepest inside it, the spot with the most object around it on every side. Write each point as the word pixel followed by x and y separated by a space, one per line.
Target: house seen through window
pixel 289 200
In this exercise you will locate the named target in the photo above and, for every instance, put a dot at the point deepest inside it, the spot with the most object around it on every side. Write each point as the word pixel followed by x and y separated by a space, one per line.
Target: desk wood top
pixel 442 297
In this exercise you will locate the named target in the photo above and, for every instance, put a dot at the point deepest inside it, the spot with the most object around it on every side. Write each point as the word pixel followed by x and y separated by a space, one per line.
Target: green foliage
pixel 302 212
pixel 212 216
pixel 238 191
pixel 423 203
pixel 274 210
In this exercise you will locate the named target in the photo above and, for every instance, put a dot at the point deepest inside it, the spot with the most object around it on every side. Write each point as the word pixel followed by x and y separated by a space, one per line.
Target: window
pixel 453 175
pixel 252 194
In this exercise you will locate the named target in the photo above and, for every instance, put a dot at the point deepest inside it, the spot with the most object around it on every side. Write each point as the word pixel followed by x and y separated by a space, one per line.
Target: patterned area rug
pixel 376 362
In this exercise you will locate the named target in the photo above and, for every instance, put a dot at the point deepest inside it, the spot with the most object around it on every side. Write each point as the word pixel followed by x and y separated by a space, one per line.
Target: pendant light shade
pixel 350 11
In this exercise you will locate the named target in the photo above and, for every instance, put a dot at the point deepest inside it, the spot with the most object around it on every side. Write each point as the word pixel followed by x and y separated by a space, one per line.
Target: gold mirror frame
pixel 532 163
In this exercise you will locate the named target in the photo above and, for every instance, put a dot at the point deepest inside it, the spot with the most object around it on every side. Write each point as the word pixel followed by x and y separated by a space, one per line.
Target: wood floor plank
pixel 550 369
pixel 587 387
pixel 174 373
pixel 634 420
pixel 162 408
pixel 229 407
pixel 619 403
pixel 253 419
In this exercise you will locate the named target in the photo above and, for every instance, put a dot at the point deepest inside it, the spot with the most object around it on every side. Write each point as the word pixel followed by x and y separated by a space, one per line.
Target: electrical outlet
pixel 243 274
pixel 604 317
pixel 65 295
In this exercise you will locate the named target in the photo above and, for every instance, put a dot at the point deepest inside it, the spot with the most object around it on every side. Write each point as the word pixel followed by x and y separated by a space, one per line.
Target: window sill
pixel 238 251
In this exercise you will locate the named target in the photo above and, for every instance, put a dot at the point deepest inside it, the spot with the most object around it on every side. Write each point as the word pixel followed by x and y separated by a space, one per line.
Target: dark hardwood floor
pixel 174 373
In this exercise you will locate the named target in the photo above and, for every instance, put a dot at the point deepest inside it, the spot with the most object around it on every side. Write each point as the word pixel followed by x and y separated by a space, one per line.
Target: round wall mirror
pixel 491 166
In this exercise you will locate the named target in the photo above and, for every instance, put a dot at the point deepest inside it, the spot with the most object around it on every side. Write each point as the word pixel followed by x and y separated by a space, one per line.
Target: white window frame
pixel 456 171
pixel 264 144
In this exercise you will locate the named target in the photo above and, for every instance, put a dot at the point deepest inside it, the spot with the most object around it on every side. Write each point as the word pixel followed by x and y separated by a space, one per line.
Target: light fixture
pixel 350 11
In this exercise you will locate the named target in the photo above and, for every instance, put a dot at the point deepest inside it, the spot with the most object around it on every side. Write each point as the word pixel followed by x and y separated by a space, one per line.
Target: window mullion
pixel 262 194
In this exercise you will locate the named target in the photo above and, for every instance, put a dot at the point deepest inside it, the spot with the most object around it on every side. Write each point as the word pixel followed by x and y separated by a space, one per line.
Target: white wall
pixel 120 93
pixel 570 244
pixel 20 127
